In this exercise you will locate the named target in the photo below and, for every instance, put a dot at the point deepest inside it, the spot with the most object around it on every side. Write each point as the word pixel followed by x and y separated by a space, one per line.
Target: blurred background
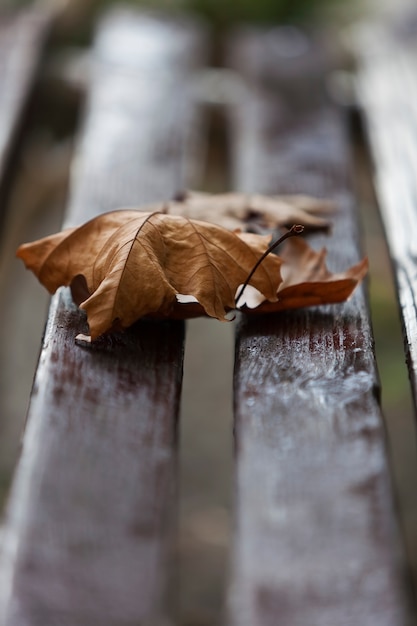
pixel 35 207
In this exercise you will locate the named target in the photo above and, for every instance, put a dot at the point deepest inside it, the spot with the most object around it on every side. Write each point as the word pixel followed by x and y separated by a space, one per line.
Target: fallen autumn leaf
pixel 125 265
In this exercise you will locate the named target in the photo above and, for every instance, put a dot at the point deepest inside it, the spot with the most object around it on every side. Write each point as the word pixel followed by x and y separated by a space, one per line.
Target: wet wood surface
pixel 22 39
pixel 317 540
pixel 387 91
pixel 88 523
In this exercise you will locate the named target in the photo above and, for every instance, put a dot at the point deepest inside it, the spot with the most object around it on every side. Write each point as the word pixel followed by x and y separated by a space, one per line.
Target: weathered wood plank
pixel 387 91
pixel 317 540
pixel 88 523
pixel 22 38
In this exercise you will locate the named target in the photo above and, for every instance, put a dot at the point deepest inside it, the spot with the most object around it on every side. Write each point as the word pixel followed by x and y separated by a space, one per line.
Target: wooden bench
pixel 22 38
pixel 90 524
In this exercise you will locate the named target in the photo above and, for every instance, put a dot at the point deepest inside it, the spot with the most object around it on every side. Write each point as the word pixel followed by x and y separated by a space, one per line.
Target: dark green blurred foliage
pixel 223 13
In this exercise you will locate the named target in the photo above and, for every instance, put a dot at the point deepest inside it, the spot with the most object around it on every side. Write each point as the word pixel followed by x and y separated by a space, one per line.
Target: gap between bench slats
pixel 90 513
pixel 317 540
pixel 387 92
pixel 22 38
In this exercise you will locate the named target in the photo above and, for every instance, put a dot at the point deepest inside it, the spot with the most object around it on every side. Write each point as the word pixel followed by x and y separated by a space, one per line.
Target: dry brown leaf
pixel 137 265
pixel 248 211
pixel 125 265
pixel 306 281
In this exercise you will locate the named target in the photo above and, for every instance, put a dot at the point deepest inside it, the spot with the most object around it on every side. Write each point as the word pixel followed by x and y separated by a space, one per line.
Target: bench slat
pixel 22 38
pixel 387 91
pixel 90 513
pixel 317 541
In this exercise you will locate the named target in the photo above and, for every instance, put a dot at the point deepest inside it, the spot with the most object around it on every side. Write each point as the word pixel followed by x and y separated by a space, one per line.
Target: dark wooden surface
pixel 317 540
pixel 22 38
pixel 86 538
pixel 387 89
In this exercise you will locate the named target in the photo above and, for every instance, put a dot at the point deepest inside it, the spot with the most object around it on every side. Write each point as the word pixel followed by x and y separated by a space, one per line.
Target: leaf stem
pixel 295 230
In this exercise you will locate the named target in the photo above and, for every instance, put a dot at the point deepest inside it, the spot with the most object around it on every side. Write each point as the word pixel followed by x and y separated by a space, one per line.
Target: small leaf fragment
pixel 307 281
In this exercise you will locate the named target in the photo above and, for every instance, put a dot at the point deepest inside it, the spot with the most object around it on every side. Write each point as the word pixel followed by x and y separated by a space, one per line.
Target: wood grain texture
pixel 86 537
pixel 22 38
pixel 387 91
pixel 317 541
